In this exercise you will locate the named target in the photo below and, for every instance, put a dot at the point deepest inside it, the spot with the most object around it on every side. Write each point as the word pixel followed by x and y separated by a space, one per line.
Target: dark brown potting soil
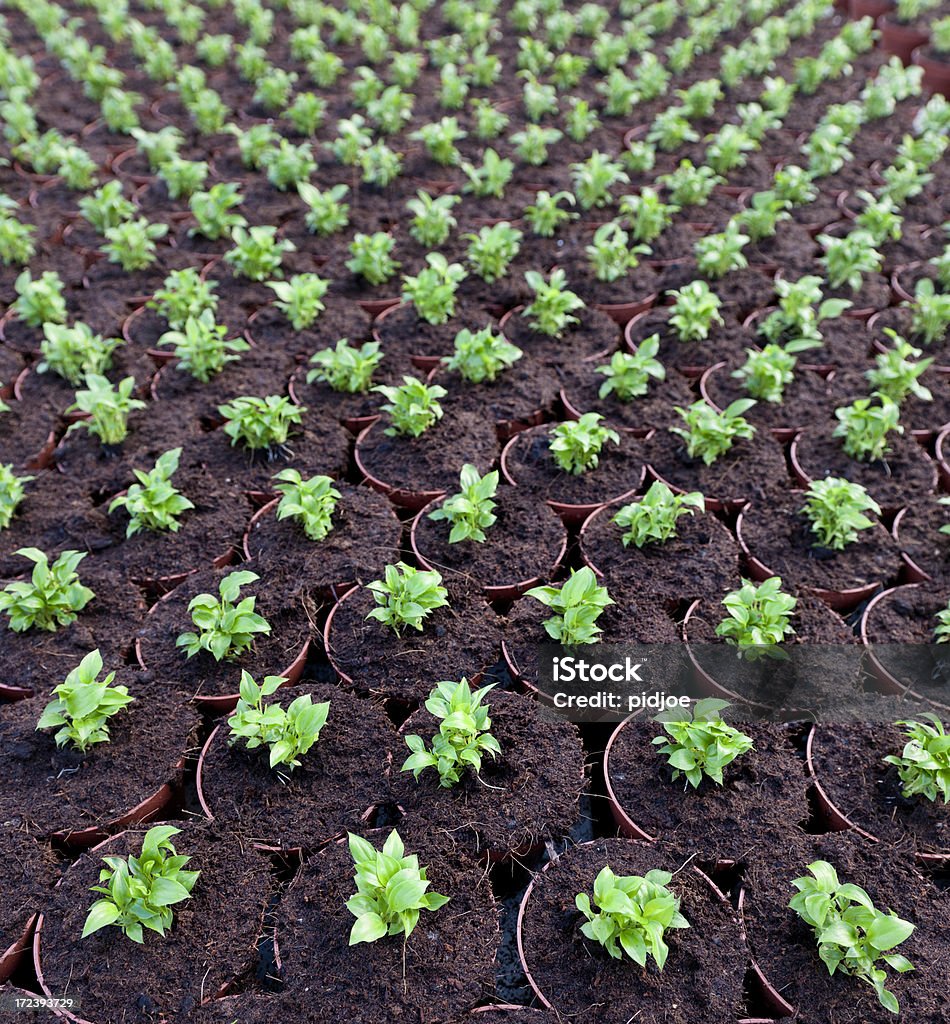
pixel 517 394
pixel 30 872
pixel 595 334
pixel 403 333
pixel 919 536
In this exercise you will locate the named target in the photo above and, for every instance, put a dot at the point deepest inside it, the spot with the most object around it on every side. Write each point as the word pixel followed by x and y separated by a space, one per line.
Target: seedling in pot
pixel 552 310
pixel 629 374
pixel 576 444
pixel 865 425
pixel 327 212
pixel 929 311
pixel 261 424
pixel 202 347
pixel 432 219
pixel 758 616
pixel 345 368
pixel 491 250
pixel 182 177
pixel 184 294
pixel 490 178
pixel 577 605
pixel 481 355
pixel 312 502
pixel 214 211
pixel 413 407
pixel 942 631
pixel 533 143
pixel 768 371
pixel 709 434
pixel 653 519
pixel 40 300
pixel 406 596
pixel 835 509
pixel 924 763
pixel 800 311
pixel 471 510
pixel 545 215
pixel 131 244
pixel 287 733
pixel 695 309
pixel 371 257
pixel 83 704
pixel 689 185
pixel 139 892
pixel 432 290
pixel 257 253
pixel 463 735
pixel 719 254
pixel 897 371
pixel 12 490
pixel 647 214
pixel 299 299
pixel 610 255
pixel 440 138
pixel 53 597
pixel 853 936
pixel 108 408
pixel 17 247
pixel 699 743
pixel 391 890
pixel 154 503
pixel 228 624
pixel 847 260
pixel 634 913
pixel 74 352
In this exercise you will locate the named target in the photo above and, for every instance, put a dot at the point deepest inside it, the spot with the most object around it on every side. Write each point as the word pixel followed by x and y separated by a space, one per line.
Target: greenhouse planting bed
pixel 354 357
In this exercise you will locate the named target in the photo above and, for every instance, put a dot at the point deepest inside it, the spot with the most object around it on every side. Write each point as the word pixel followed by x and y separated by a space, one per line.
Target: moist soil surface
pixel 785 948
pixel 726 342
pixel 30 871
pixel 525 795
pixel 702 979
pixel 763 790
pixel 60 789
pixel 342 775
pixel 919 536
pixel 404 334
pixel 849 765
pixel 364 540
pixel 522 544
pixel 390 981
pixel 212 941
pixel 594 335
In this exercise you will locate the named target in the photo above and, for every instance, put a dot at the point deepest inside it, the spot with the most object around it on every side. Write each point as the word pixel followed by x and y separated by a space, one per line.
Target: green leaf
pixel 367 928
pixel 101 914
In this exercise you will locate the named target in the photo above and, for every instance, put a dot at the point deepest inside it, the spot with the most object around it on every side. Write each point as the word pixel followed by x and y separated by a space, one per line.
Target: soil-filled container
pixel 899 38
pixel 442 970
pixel 594 334
pixel 936 69
pixel 212 942
pixel 574 975
pixel 523 547
pixel 338 783
pixel 925 548
pixel 404 335
pixel 29 871
pixel 527 794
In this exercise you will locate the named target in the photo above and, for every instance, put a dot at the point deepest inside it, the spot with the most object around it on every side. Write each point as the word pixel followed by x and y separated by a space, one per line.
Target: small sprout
pixel 628 375
pixel 634 913
pixel 75 352
pixel 489 179
pixel 897 371
pixel 12 490
pixel 835 509
pixel 924 764
pixel 700 744
pixel 202 348
pixel 942 632
pixel 653 519
pixel 768 371
pixel 260 423
pixel 463 735
pixel 576 444
pixel 758 615
pixel 53 597
pixel 491 250
pixel 695 309
pixel 481 355
pixel 848 259
pixel 371 257
pixel 327 213
pixel 226 627
pixel 312 501
pixel 131 244
pixel 183 295
pixel 139 892
pixel 470 511
pixel 648 215
pixel 413 407
pixel 929 310
pixel 432 290
pixel 108 408
pixel 345 368
pixel 257 253
pixel 432 219
pixel 406 596
pixel 865 426
pixel 577 605
pixel 289 733
pixel 183 178
pixel 546 215
pixel 299 299
pixel 553 305
pixel 83 705
pixel 154 503
pixel 595 178
pixel 214 211
pixel 709 434
pixel 390 890
pixel 39 300
pixel 718 254
pixel 610 255
pixel 853 935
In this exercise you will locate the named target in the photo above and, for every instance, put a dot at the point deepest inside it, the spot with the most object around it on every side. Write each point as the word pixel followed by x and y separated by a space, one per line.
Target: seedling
pixel 942 632
pixel 299 299
pixel 74 352
pixel 924 763
pixel 182 177
pixel 214 211
pixel 491 250
pixel 649 216
pixel 288 733
pixel 12 490
pixel 390 890
pixel 139 892
pixel 490 179
pixel 768 371
pixel 371 257
pixel 260 423
pixel 758 615
pixel 801 311
pixel 52 598
pixel 610 255
pixel 257 253
pixel 327 212
pixel 699 744
pixel 432 290
pixel 897 371
pixel 154 503
pixel 184 294
pixel 835 508
pixel 108 408
pixel 629 375
pixel 853 935
pixel 345 368
pixel 413 407
pixel 39 300
pixel 718 254
pixel 227 625
pixel 634 913
pixel 406 597
pixel 463 735
pixel 865 425
pixel 653 519
pixel 202 348
pixel 709 434
pixel 576 444
pixel 432 219
pixel 312 501
pixel 83 704
pixel 595 178
pixel 552 310
pixel 546 215
pixel 470 511
pixel 131 244
pixel 847 260
pixel 695 309
pixel 577 605
pixel 929 311
pixel 481 355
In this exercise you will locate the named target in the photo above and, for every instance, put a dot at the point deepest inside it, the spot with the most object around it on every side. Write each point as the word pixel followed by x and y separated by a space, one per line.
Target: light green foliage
pixel 202 348
pixel 413 407
pixel 51 598
pixel 260 423
pixel 835 509
pixel 153 503
pixel 699 743
pixel 709 434
pixel 12 490
pixel 924 763
pixel 577 605
pixel 758 615
pixel 865 425
pixel 346 368
pixel 311 501
pixel 653 519
pixel 39 300
pixel 406 596
pixel 551 311
pixel 695 310
pixel 108 408
pixel 432 290
pixel 184 294
pixel 470 510
pixel 299 299
pixel 576 444
pixel 629 374
pixel 74 352
pixel 226 626
pixel 257 253
pixel 481 355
